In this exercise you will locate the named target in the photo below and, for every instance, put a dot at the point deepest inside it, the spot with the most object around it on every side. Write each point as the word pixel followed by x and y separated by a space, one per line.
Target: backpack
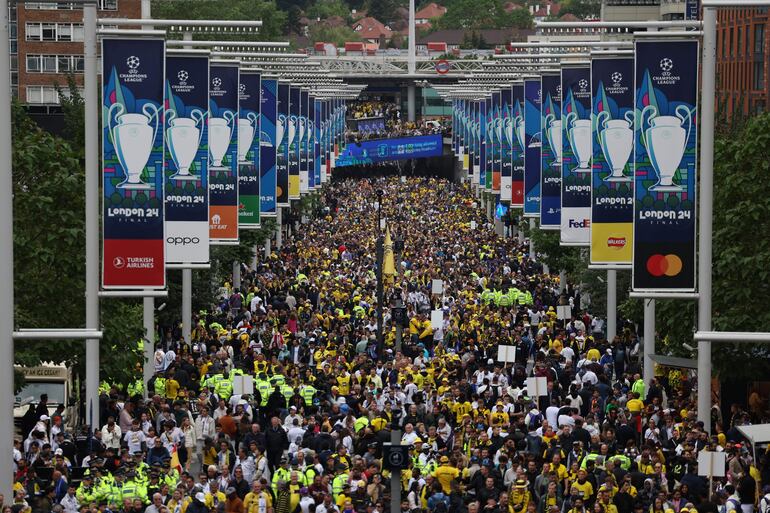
pixel 535 421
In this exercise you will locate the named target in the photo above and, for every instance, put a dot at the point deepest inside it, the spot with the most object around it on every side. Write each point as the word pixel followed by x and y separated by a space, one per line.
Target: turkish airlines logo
pixel 118 262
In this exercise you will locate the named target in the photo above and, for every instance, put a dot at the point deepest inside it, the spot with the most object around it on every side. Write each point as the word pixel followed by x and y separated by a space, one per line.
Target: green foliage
pixel 482 14
pixel 74 121
pixel 335 35
pixel 327 8
pixel 384 10
pixel 273 19
pixel 558 258
pixel 583 9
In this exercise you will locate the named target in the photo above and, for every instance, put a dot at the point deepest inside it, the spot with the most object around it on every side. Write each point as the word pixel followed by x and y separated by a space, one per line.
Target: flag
pixel 175 459
pixel 388 266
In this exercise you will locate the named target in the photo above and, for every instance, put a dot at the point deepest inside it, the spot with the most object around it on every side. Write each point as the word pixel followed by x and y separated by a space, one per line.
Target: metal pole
pixel 236 274
pixel 278 233
pixel 148 317
pixel 612 304
pixel 91 101
pixel 6 257
pixel 649 341
pixel 411 102
pixel 708 67
pixel 531 241
pixel 187 305
pixel 268 249
pixel 412 62
pixel 395 480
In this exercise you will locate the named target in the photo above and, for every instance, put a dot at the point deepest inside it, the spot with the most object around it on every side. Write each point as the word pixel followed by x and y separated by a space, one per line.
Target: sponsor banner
pixel 484 144
pixel 249 93
pixel 577 149
pixel 532 140
pixel 467 140
pixel 519 147
pixel 381 150
pixel 302 139
pixel 292 140
pixel 282 153
pixel 497 138
pixel 133 76
pixel 666 133
pixel 506 159
pixel 223 152
pixel 550 154
pixel 313 182
pixel 186 192
pixel 476 140
pixel 317 144
pixel 267 147
pixel 612 212
pixel 324 131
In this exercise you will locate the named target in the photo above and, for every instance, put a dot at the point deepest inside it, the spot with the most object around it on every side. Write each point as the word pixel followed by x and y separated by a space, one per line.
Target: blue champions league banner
pixel 383 150
pixel 550 154
pixel 323 131
pixel 577 149
pixel 310 144
pixel 497 138
pixel 476 141
pixel 223 151
pixel 506 158
pixel 489 137
pixel 282 152
pixel 132 157
pixel 248 149
pixel 267 147
pixel 317 144
pixel 519 146
pixel 666 76
pixel 612 212
pixel 187 159
pixel 292 141
pixel 532 140
pixel 302 118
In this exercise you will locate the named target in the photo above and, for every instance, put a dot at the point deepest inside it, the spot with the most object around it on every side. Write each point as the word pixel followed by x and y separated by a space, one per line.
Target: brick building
pixel 743 49
pixel 47 45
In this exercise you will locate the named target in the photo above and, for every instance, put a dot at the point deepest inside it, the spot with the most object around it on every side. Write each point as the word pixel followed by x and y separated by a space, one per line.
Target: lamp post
pixel 380 287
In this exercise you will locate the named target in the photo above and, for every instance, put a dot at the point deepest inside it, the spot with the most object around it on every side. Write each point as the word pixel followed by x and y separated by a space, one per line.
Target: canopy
pixel 757 434
pixel 674 361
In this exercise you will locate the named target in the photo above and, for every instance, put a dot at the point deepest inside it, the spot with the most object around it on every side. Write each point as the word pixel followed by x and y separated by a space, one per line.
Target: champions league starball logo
pixel 133 64
pixel 558 90
pixel 617 78
pixel 182 76
pixel 666 64
pixel 583 84
pixel 216 83
pixel 242 88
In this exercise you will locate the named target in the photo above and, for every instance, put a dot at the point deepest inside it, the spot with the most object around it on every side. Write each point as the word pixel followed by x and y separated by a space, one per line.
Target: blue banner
pixel 311 145
pixel 550 153
pixel 132 156
pixel 484 144
pixel 249 93
pixel 532 136
pixel 612 199
pixel 519 146
pixel 317 143
pixel 666 76
pixel 383 150
pixel 293 135
pixel 302 138
pixel 506 158
pixel 576 153
pixel 282 153
pixel 187 159
pixel 476 140
pixel 267 154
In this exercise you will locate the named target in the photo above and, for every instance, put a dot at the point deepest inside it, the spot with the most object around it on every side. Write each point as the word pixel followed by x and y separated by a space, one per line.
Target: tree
pixel 383 10
pixel 482 14
pixel 273 19
pixel 335 35
pixel 323 9
pixel 583 9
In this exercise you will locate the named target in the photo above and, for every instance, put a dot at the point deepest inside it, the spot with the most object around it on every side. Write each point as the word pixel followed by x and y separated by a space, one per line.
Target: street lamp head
pixel 379 193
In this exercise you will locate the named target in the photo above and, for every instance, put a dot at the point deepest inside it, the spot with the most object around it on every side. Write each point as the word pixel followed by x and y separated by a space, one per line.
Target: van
pixel 54 380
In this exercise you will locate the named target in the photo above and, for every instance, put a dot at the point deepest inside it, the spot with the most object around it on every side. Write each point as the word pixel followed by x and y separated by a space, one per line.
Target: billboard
pixel 249 92
pixel 383 150
pixel 550 154
pixel 267 147
pixel 532 140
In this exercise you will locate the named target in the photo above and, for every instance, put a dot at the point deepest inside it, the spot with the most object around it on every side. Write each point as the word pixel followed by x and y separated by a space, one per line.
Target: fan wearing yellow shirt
pixel 461 408
pixel 445 473
pixel 257 500
pixel 343 383
pixel 584 487
pixel 499 417
pixel 635 405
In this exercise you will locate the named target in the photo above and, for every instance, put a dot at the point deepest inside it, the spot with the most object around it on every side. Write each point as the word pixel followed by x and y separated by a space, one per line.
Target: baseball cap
pixel 45 417
pixel 200 497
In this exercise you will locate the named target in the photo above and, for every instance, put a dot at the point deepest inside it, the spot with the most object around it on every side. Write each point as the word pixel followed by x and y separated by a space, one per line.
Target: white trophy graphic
pixel 280 130
pixel 509 131
pixel 133 136
pixel 518 126
pixel 246 129
pixel 579 136
pixel 553 135
pixel 499 132
pixel 292 130
pixel 665 141
pixel 183 137
pixel 220 133
pixel 302 122
pixel 616 138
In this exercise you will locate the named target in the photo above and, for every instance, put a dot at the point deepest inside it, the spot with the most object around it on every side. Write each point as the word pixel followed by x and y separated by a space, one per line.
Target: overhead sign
pixel 132 163
pixel 550 153
pixel 383 150
pixel 532 136
pixel 223 151
pixel 187 159
pixel 612 196
pixel 665 165
pixel 577 149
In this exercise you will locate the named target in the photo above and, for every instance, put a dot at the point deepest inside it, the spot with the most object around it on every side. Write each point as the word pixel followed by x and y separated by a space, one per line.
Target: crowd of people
pixel 375 119
pixel 306 433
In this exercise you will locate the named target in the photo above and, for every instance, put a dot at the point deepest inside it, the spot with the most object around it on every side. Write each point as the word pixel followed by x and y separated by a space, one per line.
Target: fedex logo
pixel 583 223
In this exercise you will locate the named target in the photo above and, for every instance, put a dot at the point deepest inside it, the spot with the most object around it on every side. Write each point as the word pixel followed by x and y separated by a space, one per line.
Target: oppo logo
pixel 182 241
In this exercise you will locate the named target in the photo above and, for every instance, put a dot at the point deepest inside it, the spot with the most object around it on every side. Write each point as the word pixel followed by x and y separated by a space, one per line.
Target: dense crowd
pixel 327 396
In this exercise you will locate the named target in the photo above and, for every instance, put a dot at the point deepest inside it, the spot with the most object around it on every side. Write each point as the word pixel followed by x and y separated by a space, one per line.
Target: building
pixel 643 10
pixel 372 30
pixel 497 39
pixel 431 11
pixel 743 48
pixel 47 45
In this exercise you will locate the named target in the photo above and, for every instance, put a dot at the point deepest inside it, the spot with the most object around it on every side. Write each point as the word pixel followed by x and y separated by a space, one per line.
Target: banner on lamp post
pixel 665 165
pixel 518 148
pixel 133 76
pixel 267 147
pixel 476 134
pixel 317 144
pixel 186 189
pixel 282 153
pixel 302 138
pixel 532 140
pixel 496 119
pixel 484 144
pixel 577 148
pixel 292 134
pixel 249 149
pixel 314 180
pixel 506 158
pixel 550 154
pixel 612 199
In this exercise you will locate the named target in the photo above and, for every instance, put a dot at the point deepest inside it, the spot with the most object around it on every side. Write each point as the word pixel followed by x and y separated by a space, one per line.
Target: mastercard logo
pixel 664 265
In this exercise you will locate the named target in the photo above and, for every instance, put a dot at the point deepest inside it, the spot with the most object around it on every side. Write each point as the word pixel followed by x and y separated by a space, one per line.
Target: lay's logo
pixel 616 242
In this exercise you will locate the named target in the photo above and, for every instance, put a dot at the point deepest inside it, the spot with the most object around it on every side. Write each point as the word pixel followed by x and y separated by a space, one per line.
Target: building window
pixel 108 5
pixel 759 75
pixel 54 32
pixel 759 39
pixel 42 95
pixel 33 63
pixel 55 63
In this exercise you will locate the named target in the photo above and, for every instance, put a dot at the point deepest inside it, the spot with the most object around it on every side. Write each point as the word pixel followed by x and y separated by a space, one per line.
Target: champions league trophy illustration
pixel 579 136
pixel 246 130
pixel 220 133
pixel 553 135
pixel 518 126
pixel 133 136
pixel 665 141
pixel 183 137
pixel 616 138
